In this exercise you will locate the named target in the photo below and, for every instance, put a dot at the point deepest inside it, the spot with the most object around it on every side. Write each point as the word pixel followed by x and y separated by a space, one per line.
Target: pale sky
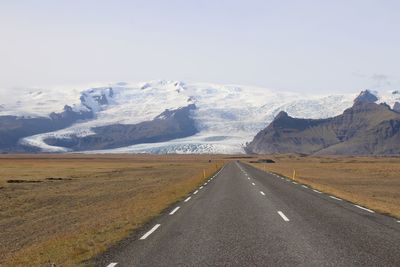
pixel 314 46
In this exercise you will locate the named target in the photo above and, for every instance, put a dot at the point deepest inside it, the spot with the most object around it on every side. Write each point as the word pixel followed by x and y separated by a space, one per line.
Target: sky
pixel 304 46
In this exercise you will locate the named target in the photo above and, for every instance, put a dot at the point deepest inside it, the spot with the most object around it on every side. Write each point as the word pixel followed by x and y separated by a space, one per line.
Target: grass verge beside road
pixel 373 182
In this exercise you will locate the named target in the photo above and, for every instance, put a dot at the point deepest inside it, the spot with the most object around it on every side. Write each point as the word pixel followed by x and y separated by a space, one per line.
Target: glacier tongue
pixel 227 116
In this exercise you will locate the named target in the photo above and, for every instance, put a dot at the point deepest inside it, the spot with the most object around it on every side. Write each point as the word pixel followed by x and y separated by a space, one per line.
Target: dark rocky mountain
pixel 396 106
pixel 364 129
pixel 170 124
pixel 101 98
pixel 366 97
pixel 13 128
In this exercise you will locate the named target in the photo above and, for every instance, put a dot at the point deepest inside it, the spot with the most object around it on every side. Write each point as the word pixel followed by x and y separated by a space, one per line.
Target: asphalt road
pixel 246 217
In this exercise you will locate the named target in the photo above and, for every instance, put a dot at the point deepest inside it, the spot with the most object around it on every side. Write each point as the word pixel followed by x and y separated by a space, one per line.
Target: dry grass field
pixel 373 182
pixel 60 210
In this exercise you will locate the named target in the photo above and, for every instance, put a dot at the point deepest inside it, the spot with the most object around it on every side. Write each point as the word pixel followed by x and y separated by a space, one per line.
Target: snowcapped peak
pixel 97 99
pixel 165 84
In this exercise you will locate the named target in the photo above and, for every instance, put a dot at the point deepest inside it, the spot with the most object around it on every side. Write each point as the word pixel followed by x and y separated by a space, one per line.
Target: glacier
pixel 227 116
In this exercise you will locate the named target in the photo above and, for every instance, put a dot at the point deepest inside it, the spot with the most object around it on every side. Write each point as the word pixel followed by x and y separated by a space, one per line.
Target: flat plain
pixel 373 182
pixel 60 210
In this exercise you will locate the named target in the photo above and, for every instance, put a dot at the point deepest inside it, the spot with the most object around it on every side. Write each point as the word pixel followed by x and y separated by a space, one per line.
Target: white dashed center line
pixel 304 186
pixel 335 198
pixel 201 187
pixel 172 212
pixel 294 182
pixel 262 193
pixel 150 232
pixel 112 264
pixel 253 183
pixel 365 209
pixel 283 216
pixel 316 191
pixel 186 200
pixel 248 178
pixel 195 192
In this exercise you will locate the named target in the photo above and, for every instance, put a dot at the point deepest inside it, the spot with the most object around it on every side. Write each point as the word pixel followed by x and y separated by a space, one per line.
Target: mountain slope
pixel 12 128
pixel 366 128
pixel 170 124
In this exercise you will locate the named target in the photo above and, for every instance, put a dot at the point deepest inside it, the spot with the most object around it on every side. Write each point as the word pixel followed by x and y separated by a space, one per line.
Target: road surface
pixel 247 217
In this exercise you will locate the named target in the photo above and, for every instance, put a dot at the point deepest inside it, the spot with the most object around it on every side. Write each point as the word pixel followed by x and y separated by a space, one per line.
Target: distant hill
pixel 366 128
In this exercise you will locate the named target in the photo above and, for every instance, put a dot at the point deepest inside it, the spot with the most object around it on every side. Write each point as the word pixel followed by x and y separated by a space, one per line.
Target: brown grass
pixel 80 205
pixel 373 182
pixel 64 209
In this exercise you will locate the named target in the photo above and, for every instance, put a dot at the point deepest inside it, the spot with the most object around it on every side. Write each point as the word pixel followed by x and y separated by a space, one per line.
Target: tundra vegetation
pixel 373 182
pixel 60 210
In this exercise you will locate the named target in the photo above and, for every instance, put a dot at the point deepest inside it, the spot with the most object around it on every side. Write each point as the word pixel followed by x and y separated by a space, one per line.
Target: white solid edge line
pixel 150 232
pixel 186 200
pixel 316 191
pixel 335 198
pixel 195 192
pixel 112 264
pixel 253 183
pixel 365 209
pixel 262 193
pixel 172 212
pixel 283 216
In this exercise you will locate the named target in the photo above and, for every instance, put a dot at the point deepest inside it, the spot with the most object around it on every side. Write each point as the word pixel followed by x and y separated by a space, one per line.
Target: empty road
pixel 247 217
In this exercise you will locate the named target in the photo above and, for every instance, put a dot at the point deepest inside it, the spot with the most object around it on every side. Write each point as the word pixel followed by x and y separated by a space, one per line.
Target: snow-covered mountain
pixel 225 116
